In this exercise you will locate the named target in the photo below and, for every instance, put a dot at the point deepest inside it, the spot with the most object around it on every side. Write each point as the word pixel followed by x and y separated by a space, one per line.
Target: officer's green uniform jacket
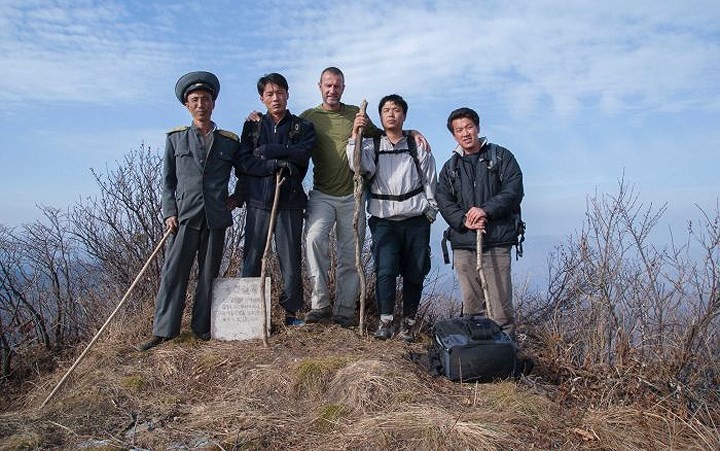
pixel 195 181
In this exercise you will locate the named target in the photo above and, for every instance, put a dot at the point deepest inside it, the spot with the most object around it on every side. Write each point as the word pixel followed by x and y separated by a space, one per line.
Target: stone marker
pixel 236 313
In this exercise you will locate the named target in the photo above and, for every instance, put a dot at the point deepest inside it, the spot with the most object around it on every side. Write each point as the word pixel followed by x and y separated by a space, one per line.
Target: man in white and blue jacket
pixel 401 202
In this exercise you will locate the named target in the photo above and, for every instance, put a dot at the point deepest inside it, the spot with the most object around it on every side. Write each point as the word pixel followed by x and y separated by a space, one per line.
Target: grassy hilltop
pixel 625 340
pixel 324 387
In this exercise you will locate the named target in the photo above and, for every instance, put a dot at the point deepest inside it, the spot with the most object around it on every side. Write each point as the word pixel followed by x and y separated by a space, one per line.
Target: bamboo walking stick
pixel 358 192
pixel 279 180
pixel 481 272
pixel 107 322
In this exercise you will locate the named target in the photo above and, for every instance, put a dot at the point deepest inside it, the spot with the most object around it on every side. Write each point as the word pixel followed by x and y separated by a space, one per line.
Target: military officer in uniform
pixel 196 206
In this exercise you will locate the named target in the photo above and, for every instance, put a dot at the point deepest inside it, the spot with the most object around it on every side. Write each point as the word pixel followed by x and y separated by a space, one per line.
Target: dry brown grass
pixel 318 387
pixel 372 385
pixel 633 429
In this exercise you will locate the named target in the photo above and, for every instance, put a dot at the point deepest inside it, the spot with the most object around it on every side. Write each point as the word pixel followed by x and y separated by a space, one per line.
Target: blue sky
pixel 581 92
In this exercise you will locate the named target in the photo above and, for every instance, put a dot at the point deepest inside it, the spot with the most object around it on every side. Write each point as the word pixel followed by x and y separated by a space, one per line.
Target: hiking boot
pixel 407 334
pixel 385 330
pixel 317 314
pixel 154 341
pixel 343 321
pixel 293 321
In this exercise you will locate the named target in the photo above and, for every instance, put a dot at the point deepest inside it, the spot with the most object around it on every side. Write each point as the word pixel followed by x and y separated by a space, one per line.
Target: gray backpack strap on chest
pixel 412 150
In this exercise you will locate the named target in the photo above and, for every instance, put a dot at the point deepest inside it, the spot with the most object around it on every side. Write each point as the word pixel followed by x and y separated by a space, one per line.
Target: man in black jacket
pixel 479 191
pixel 279 142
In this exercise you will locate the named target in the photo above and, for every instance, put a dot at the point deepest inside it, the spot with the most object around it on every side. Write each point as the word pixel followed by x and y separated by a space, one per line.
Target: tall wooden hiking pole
pixel 479 267
pixel 359 209
pixel 279 180
pixel 112 315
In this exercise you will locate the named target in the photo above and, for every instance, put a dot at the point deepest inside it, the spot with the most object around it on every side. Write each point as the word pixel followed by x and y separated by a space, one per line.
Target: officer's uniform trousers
pixel 181 250
pixel 194 189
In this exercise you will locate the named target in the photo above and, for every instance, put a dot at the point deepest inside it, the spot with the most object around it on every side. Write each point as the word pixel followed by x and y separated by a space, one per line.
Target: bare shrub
pixel 43 290
pixel 60 276
pixel 119 227
pixel 627 315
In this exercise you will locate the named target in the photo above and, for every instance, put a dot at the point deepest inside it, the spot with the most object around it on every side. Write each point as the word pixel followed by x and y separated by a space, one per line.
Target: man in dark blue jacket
pixel 479 191
pixel 196 207
pixel 279 142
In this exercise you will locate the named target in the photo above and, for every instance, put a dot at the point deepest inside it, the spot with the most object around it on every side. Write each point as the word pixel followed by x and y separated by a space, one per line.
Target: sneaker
pixel 343 321
pixel 406 333
pixel 317 314
pixel 154 341
pixel 293 321
pixel 385 330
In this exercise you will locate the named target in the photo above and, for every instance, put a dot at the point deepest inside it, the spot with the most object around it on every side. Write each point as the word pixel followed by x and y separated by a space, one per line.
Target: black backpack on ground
pixel 472 348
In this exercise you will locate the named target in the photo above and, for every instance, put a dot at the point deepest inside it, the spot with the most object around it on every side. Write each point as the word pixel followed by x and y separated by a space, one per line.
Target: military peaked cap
pixel 197 80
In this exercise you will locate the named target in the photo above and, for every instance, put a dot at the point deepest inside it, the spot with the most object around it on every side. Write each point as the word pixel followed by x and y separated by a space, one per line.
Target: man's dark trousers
pixel 400 248
pixel 288 242
pixel 208 245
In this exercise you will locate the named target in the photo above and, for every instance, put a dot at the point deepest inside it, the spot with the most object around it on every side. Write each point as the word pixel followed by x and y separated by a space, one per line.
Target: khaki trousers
pixel 496 266
pixel 323 214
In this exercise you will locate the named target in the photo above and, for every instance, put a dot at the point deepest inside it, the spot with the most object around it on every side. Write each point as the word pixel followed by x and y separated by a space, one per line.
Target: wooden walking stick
pixel 359 208
pixel 112 315
pixel 479 267
pixel 279 180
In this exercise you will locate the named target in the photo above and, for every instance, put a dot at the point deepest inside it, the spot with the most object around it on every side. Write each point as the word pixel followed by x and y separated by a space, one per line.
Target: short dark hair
pixel 395 99
pixel 461 113
pixel 332 70
pixel 273 78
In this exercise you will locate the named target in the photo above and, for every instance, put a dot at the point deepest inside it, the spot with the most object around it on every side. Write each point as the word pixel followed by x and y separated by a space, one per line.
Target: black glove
pixel 285 165
pixel 431 214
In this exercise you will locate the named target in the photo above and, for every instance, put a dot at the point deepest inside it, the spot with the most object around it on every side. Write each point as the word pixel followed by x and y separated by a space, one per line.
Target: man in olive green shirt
pixel 331 203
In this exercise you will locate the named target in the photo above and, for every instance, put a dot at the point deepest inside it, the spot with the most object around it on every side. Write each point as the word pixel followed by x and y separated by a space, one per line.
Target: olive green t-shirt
pixel 331 172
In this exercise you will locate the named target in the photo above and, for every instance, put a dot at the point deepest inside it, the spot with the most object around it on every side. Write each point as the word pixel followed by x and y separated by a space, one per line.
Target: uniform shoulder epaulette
pixel 230 135
pixel 182 128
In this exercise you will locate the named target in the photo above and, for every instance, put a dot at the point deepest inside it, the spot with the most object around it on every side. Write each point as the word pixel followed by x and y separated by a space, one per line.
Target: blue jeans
pixel 400 248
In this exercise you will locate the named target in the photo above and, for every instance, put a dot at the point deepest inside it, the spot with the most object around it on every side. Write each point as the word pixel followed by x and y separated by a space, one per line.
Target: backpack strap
pixel 293 132
pixel 295 128
pixel 493 165
pixel 397 198
pixel 376 147
pixel 492 160
pixel 444 246
pixel 255 132
pixel 412 150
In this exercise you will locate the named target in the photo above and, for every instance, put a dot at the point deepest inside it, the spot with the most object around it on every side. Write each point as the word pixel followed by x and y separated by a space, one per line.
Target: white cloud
pixel 648 55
